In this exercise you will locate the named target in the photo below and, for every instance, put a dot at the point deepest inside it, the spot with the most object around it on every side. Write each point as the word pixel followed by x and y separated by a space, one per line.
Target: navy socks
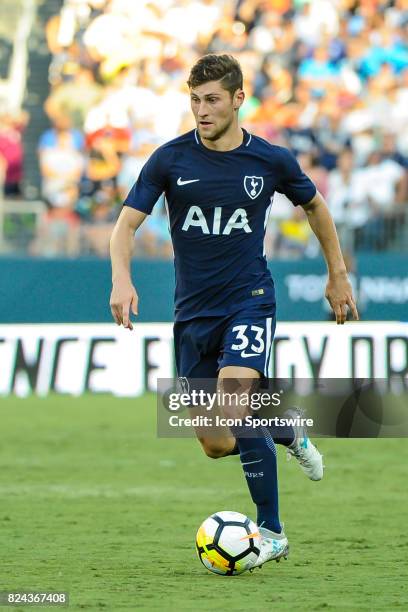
pixel 258 458
pixel 283 435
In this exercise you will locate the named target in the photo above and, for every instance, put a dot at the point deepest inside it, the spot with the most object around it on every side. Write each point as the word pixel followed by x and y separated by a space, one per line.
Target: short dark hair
pixel 212 67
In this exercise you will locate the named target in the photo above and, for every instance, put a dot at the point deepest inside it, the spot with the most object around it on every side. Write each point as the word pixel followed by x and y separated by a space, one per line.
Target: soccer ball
pixel 228 543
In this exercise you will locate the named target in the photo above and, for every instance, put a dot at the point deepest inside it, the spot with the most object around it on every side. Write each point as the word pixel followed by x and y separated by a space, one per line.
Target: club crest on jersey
pixel 253 186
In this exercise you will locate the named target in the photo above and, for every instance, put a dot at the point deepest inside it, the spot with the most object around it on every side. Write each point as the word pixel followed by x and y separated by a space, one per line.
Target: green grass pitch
pixel 91 502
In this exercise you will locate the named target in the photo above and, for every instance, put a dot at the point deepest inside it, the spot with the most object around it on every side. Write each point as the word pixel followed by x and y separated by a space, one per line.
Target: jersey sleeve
pixel 295 184
pixel 150 184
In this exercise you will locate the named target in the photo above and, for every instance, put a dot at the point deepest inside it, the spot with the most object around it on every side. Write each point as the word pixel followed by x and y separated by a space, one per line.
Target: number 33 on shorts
pixel 249 344
pixel 258 345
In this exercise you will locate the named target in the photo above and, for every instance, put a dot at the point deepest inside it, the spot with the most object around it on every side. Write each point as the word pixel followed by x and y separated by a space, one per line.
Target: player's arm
pixel 339 292
pixel 124 297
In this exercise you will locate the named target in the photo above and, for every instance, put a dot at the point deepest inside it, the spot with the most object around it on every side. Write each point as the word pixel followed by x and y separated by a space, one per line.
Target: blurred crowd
pixel 326 78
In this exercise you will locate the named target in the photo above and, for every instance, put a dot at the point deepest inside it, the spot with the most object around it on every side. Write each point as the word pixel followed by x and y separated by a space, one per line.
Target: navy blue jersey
pixel 218 205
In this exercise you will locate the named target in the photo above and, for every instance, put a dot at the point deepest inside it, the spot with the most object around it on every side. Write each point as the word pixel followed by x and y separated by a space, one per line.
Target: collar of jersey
pixel 245 142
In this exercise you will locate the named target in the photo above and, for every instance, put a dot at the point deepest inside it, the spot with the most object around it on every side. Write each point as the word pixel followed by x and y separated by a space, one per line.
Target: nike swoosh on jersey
pixel 181 182
pixel 244 354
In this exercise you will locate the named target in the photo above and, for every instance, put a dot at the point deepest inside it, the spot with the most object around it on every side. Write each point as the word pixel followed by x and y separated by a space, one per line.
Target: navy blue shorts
pixel 205 345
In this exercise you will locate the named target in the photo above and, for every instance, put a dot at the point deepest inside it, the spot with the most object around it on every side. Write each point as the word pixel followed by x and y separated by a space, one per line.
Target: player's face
pixel 215 111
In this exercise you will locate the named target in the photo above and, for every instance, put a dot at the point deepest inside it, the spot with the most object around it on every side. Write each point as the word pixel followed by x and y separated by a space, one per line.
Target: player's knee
pixel 213 449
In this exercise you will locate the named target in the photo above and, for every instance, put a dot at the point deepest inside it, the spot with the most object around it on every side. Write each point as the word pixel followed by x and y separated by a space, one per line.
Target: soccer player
pixel 219 181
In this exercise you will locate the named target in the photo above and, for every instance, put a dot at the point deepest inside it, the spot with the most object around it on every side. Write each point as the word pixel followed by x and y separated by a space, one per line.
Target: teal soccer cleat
pixel 274 546
pixel 304 451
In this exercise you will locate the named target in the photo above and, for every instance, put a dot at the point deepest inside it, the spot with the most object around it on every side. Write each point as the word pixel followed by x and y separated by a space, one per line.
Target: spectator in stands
pixel 342 187
pixel 273 79
pixel 318 71
pixel 174 101
pixel 384 182
pixel 59 232
pixel 154 240
pixel 61 124
pixel 144 142
pixel 390 150
pixel 310 165
pixel 11 151
pixel 74 98
pixel 315 21
pixel 124 102
pixel 387 49
pixel 61 165
pixel 294 235
pixel 331 140
pixel 103 163
pixel 383 185
pixel 359 127
pixel 342 194
pixel 100 219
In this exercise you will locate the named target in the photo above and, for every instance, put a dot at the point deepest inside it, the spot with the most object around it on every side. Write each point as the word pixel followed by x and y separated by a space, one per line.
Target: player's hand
pixel 339 294
pixel 123 300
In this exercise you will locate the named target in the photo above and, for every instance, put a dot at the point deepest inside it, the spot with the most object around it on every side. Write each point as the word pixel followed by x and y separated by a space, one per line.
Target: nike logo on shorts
pixel 181 182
